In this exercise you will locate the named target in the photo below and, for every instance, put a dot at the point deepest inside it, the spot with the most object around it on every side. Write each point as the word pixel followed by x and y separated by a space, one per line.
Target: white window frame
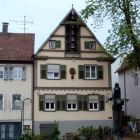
pixel 2 72
pixel 17 72
pixel 93 99
pixel 2 102
pixel 52 44
pixel 72 102
pixel 90 72
pixel 18 101
pixel 92 45
pixel 50 101
pixel 51 74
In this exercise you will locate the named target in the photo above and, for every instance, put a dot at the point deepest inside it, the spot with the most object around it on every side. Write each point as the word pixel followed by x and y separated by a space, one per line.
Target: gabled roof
pixel 79 22
pixel 16 47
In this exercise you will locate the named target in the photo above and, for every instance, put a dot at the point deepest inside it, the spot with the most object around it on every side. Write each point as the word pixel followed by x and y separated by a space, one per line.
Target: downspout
pixel 33 97
pixel 125 93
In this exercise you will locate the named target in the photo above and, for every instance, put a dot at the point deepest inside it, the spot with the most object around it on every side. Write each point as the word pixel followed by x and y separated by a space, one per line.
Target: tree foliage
pixel 124 15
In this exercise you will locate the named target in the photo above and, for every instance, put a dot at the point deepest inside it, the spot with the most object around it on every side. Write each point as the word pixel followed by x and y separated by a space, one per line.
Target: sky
pixel 43 16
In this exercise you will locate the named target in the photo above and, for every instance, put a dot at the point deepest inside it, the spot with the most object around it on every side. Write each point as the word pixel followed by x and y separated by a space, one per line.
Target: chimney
pixel 5 27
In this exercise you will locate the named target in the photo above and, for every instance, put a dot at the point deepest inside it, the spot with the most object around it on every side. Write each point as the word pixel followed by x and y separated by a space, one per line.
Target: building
pixel 129 80
pixel 16 82
pixel 72 78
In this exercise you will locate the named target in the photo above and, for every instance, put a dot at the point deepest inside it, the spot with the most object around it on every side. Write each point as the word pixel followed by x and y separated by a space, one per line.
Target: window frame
pixel 52 44
pixel 71 103
pixel 53 78
pixel 19 106
pixel 54 103
pixel 90 72
pixel 17 72
pixel 93 102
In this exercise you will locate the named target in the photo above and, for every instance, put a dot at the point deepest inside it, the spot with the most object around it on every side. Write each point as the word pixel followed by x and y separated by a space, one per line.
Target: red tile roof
pixel 16 46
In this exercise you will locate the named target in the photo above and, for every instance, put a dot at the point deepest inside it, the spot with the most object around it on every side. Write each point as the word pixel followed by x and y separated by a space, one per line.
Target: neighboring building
pixel 72 78
pixel 16 82
pixel 129 81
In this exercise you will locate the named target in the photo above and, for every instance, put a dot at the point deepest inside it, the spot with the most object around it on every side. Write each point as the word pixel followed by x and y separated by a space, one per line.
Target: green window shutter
pixel 60 102
pixel 82 102
pixel 100 72
pixel 81 70
pixel 101 102
pixel 43 71
pixel 57 44
pixel 63 71
pixel 87 45
pixel 41 102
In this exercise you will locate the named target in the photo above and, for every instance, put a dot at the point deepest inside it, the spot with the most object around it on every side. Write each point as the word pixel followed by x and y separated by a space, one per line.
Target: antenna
pixel 23 22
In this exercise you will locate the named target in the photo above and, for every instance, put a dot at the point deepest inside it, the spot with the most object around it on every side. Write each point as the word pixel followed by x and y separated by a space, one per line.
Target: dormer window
pixel 54 44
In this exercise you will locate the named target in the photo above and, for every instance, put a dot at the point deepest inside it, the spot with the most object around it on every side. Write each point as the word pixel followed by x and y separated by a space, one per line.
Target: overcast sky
pixel 42 17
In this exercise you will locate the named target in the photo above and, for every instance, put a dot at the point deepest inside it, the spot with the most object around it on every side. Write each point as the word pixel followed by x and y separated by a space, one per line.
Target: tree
pixel 124 36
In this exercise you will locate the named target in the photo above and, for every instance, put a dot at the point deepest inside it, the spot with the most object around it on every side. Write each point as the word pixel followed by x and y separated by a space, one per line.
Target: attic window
pixel 54 44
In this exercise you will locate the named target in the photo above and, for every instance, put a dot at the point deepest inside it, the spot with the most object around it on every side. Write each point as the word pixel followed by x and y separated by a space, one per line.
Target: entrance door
pixel 10 130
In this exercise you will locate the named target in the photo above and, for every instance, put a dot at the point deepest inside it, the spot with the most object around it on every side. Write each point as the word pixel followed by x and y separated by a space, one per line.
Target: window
pixel 16 102
pixel 90 45
pixel 11 131
pixel 71 102
pixel 17 73
pixel 50 102
pixel 1 72
pixel 90 72
pixel 93 102
pixel 53 71
pixel 54 44
pixel 136 79
pixel 2 131
pixel 1 102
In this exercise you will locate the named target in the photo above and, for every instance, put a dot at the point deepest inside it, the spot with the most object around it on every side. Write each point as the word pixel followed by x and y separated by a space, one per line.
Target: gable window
pixel 53 71
pixel 50 102
pixel 1 101
pixel 54 44
pixel 16 102
pixel 93 102
pixel 1 72
pixel 90 45
pixel 71 102
pixel 90 72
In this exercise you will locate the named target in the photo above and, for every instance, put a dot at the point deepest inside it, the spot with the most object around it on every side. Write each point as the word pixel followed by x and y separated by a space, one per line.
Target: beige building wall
pixel 23 87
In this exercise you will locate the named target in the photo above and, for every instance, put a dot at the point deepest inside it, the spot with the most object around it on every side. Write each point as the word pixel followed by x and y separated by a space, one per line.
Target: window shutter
pixel 87 45
pixel 60 102
pixel 81 71
pixel 43 71
pixel 10 73
pixel 58 44
pixel 100 72
pixel 24 73
pixel 5 73
pixel 82 102
pixel 41 102
pixel 101 102
pixel 63 71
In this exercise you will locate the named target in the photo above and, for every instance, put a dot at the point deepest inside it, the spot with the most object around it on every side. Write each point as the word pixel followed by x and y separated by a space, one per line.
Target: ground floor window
pixel 10 130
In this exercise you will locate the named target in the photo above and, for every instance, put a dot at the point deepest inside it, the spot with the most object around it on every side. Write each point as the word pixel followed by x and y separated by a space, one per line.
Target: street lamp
pixel 22 103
